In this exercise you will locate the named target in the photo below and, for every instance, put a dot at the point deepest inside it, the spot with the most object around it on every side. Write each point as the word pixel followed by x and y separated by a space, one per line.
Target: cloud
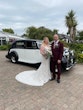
pixel 49 3
pixel 17 18
pixel 58 3
pixel 80 24
pixel 2 16
pixel 49 13
pixel 18 25
pixel 6 6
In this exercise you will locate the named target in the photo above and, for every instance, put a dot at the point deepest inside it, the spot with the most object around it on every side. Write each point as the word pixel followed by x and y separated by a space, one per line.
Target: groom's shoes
pixel 58 80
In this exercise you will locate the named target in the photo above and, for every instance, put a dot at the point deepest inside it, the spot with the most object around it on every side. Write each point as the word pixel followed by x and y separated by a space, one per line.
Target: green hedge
pixel 4 47
pixel 76 47
pixel 78 51
pixel 80 58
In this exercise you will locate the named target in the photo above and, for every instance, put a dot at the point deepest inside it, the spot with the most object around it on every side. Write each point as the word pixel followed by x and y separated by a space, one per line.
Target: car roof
pixel 36 40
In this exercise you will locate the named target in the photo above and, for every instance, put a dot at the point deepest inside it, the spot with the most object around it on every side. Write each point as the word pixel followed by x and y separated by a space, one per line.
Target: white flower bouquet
pixel 48 53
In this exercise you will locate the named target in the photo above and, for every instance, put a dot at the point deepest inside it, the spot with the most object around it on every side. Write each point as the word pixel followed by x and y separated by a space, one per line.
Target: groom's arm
pixel 61 51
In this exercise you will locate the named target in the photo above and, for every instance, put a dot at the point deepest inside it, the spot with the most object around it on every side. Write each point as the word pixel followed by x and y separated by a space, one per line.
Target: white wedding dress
pixel 36 77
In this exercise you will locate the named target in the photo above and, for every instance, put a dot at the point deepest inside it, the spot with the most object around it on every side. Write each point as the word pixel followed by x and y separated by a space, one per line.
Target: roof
pixel 8 35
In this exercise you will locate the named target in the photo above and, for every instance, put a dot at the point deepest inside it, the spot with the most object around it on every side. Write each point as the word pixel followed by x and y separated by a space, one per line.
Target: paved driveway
pixel 68 95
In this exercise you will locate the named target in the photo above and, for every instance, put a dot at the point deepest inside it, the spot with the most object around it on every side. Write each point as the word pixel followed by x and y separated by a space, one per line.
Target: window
pixel 3 41
pixel 31 45
pixel 25 44
pixel 20 44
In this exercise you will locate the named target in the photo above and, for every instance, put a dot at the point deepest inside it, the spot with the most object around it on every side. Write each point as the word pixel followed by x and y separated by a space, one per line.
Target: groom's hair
pixel 56 36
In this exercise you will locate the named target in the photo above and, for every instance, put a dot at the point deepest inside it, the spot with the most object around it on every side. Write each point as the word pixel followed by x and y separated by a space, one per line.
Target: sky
pixel 20 14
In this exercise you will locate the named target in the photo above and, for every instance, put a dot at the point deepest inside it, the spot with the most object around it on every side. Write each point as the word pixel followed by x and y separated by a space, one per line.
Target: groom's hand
pixel 59 61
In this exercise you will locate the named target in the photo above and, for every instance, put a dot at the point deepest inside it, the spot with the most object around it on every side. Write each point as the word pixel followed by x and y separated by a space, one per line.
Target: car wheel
pixel 13 58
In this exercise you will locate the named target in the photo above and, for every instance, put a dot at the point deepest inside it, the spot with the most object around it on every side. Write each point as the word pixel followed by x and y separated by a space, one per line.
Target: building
pixel 65 38
pixel 8 38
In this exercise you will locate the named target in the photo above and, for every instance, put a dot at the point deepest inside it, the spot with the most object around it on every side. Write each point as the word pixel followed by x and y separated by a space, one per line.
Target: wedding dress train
pixel 36 77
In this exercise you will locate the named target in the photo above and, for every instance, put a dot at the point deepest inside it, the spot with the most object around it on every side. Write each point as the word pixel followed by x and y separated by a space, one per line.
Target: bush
pixel 78 51
pixel 80 58
pixel 76 47
pixel 4 47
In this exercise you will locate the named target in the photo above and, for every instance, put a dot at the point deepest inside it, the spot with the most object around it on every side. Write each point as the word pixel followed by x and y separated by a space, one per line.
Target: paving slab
pixel 68 95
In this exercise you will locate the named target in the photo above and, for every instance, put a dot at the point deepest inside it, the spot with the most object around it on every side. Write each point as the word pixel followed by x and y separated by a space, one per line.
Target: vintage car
pixel 27 51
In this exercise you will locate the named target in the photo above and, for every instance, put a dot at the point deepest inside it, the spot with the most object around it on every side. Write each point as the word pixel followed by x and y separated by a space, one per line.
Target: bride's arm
pixel 42 50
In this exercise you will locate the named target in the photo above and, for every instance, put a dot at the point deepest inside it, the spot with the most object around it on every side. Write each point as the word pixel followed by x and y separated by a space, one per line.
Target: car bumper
pixel 7 56
pixel 69 67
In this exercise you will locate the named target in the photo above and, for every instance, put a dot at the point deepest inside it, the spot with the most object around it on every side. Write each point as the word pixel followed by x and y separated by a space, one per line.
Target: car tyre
pixel 13 58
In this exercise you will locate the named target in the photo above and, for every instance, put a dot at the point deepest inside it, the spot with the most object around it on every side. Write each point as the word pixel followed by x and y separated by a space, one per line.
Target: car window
pixel 25 45
pixel 20 44
pixel 31 45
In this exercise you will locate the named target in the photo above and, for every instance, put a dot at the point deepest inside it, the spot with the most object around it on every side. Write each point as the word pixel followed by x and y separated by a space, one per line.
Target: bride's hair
pixel 45 39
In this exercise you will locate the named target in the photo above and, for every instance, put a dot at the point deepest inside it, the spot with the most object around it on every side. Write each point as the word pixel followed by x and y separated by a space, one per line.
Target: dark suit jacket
pixel 57 52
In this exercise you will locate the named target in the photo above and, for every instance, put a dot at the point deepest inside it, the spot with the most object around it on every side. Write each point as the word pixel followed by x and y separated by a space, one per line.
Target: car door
pixel 20 50
pixel 32 53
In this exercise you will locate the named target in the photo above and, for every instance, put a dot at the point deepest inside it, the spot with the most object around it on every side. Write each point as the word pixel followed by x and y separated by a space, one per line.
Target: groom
pixel 57 53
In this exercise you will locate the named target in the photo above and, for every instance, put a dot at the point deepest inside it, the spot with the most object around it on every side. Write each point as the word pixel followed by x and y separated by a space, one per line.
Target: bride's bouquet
pixel 48 53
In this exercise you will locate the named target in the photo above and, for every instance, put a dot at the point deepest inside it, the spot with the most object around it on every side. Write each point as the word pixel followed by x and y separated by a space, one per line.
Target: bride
pixel 42 75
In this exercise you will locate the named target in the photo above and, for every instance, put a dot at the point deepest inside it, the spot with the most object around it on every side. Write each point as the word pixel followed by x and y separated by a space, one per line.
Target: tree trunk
pixel 71 34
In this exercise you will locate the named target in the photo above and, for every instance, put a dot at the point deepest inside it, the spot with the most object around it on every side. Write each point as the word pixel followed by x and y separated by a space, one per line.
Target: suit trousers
pixel 53 66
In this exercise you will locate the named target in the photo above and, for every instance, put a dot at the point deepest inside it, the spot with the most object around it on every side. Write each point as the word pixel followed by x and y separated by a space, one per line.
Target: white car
pixel 27 51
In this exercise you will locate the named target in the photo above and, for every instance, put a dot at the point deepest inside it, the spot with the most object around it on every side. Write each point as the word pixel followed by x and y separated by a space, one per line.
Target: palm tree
pixel 71 23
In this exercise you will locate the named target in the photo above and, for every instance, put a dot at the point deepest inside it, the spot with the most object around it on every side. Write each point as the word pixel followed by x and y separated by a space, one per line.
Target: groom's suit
pixel 57 53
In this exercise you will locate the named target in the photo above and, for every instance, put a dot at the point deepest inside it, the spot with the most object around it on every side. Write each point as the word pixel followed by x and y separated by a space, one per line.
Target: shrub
pixel 80 58
pixel 4 47
pixel 65 44
pixel 76 47
pixel 78 51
